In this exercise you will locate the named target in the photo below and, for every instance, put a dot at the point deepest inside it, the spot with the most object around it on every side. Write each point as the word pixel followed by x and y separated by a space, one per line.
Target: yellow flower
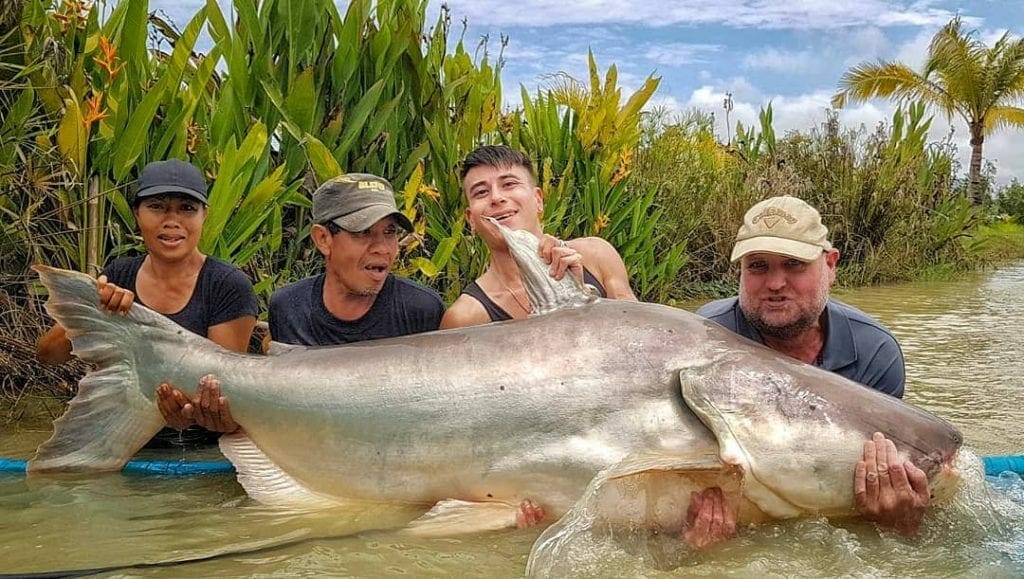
pixel 601 222
pixel 429 191
pixel 623 170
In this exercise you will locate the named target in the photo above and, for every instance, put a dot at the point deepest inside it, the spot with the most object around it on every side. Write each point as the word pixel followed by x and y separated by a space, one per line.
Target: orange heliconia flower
pixel 95 110
pixel 108 61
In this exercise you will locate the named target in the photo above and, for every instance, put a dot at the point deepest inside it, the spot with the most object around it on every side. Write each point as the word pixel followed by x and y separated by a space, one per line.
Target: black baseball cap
pixel 171 176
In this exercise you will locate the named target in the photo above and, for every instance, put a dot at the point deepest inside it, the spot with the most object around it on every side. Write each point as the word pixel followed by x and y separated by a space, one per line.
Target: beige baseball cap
pixel 783 225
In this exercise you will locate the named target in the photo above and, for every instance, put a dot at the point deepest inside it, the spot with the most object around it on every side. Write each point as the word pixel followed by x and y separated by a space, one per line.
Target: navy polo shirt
pixel 857 347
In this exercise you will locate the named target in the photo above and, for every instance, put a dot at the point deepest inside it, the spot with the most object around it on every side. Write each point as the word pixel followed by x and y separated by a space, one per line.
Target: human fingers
pixel 227 422
pixel 881 457
pixel 566 259
pixel 896 475
pixel 860 489
pixel 547 244
pixel 870 473
pixel 918 482
pixel 528 514
pixel 693 509
pixel 717 514
pixel 116 299
pixel 171 401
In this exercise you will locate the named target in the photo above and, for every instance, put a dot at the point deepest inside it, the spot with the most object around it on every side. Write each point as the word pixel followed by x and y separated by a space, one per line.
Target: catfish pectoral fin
pixel 453 517
pixel 263 480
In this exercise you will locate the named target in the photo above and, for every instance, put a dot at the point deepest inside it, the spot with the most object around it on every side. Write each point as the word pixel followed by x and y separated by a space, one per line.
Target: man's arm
pixel 606 264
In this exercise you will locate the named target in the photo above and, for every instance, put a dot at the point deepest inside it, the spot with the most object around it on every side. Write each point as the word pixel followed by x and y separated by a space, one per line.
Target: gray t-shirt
pixel 298 315
pixel 857 346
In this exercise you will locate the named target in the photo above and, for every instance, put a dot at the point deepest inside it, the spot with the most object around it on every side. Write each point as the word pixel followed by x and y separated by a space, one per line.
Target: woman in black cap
pixel 202 294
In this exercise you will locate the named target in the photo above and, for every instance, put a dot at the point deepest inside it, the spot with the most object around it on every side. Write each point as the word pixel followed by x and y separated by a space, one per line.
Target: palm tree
pixel 962 76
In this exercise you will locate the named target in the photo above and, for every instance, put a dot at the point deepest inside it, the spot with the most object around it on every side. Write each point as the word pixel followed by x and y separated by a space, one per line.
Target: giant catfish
pixel 475 421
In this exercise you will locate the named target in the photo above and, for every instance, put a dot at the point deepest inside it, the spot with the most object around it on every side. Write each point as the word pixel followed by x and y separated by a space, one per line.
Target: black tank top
pixel 498 314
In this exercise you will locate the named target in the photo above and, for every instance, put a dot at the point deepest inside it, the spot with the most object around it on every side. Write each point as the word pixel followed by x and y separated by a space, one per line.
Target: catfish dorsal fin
pixel 546 294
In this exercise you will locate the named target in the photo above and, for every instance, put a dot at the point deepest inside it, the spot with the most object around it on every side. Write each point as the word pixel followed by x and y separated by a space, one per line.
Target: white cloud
pixel 679 53
pixel 802 15
pixel 785 61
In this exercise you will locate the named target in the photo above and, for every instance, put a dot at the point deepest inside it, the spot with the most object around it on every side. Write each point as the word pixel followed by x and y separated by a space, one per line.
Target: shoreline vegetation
pixel 290 94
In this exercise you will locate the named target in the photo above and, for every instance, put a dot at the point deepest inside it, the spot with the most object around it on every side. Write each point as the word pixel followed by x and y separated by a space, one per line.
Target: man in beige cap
pixel 787 266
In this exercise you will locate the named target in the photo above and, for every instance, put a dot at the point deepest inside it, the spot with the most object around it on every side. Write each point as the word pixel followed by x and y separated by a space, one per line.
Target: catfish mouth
pixel 945 484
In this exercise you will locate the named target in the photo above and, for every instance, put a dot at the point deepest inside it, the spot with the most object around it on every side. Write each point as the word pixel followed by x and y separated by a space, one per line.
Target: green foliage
pixel 1010 200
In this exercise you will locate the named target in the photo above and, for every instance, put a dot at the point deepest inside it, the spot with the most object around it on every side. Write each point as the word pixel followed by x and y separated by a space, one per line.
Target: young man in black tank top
pixel 499 183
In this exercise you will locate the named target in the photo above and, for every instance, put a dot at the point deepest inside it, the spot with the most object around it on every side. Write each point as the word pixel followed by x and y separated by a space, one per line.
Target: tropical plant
pixel 585 137
pixel 962 76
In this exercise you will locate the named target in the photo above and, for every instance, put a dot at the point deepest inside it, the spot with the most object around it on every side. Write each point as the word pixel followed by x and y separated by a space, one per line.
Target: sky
pixel 790 53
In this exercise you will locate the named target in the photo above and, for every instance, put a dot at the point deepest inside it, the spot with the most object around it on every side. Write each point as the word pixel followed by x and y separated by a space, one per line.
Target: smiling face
pixel 171 225
pixel 359 261
pixel 782 296
pixel 507 194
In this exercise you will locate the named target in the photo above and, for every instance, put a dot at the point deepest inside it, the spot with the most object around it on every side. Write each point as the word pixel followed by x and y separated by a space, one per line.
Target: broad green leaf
pixel 72 140
pixel 324 165
pixel 357 119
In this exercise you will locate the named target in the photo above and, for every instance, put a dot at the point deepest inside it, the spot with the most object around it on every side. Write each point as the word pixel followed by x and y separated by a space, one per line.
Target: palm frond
pixel 1000 117
pixel 890 79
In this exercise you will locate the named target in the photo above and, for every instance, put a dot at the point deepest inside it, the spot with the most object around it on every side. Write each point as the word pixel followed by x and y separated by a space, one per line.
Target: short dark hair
pixel 332 227
pixel 496 156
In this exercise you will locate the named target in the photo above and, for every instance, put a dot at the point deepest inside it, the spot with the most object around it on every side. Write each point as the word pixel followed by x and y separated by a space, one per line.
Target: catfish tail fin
pixel 110 418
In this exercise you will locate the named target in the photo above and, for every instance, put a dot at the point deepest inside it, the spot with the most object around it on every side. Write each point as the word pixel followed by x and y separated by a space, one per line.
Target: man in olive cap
pixel 787 266
pixel 356 226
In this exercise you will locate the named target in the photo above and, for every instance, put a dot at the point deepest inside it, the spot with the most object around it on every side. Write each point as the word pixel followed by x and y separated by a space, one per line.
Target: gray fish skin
pixel 500 413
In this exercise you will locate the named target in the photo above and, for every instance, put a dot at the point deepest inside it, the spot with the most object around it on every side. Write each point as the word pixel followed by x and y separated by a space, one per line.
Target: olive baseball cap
pixel 355 201
pixel 171 176
pixel 783 225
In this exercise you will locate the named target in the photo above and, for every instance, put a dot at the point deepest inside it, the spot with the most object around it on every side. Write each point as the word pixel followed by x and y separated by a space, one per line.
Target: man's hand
pixel 561 257
pixel 207 409
pixel 891 493
pixel 172 403
pixel 709 519
pixel 113 298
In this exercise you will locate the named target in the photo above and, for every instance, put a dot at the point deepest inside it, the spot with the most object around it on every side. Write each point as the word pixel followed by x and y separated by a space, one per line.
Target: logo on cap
pixel 771 217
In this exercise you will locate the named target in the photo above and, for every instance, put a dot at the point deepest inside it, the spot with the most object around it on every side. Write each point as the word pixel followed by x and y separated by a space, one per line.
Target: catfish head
pixel 798 431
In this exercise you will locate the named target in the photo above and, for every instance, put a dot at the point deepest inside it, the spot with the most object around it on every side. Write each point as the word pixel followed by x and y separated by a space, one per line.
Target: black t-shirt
pixel 298 315
pixel 222 293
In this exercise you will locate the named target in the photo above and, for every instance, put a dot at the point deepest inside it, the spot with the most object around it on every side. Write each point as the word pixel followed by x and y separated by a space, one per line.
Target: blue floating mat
pixel 994 465
pixel 155 467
